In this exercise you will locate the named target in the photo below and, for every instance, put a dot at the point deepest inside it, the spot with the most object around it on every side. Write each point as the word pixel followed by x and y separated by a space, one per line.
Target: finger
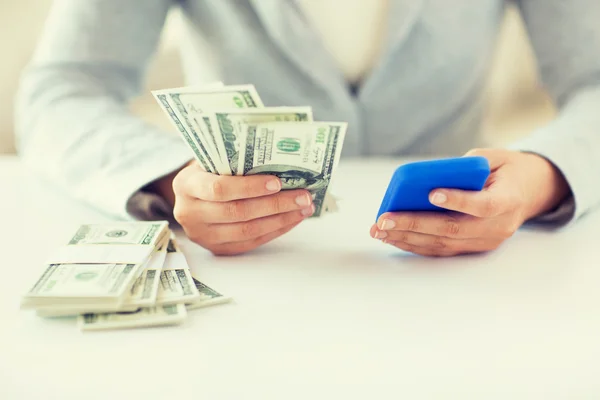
pixel 436 243
pixel 244 231
pixel 230 249
pixel 452 225
pixel 434 252
pixel 373 231
pixel 483 204
pixel 221 188
pixel 249 209
pixel 422 251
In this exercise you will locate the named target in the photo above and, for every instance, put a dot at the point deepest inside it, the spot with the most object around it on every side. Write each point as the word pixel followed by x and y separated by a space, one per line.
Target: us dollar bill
pixel 143 317
pixel 74 285
pixel 200 99
pixel 190 135
pixel 302 155
pixel 208 296
pixel 183 104
pixel 68 285
pixel 227 125
pixel 145 233
pixel 144 290
pixel 176 282
pixel 163 100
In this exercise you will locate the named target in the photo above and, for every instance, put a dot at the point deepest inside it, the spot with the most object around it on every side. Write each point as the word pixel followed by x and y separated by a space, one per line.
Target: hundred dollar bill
pixel 90 283
pixel 189 103
pixel 208 296
pixel 228 127
pixel 144 290
pixel 69 285
pixel 146 233
pixel 162 98
pixel 176 282
pixel 302 155
pixel 195 103
pixel 190 136
pixel 143 317
pixel 200 99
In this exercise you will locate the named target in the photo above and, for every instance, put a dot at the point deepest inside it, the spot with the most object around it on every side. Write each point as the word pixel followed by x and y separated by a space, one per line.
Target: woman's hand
pixel 234 214
pixel 521 186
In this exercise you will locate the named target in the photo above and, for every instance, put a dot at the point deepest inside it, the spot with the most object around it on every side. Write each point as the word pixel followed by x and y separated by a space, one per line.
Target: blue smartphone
pixel 411 183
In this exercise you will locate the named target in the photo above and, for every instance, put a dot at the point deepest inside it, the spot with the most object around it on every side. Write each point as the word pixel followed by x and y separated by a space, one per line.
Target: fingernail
pixel 308 211
pixel 273 185
pixel 303 200
pixel 438 198
pixel 380 235
pixel 388 224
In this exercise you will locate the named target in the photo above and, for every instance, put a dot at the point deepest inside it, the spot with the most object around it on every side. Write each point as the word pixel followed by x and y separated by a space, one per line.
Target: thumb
pixel 496 157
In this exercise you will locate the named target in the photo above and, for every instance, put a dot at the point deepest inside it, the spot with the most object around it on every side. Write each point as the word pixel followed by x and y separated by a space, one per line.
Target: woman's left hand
pixel 521 186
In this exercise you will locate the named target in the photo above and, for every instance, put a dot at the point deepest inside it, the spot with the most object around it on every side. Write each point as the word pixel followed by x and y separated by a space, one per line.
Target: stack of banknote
pixel 120 275
pixel 230 132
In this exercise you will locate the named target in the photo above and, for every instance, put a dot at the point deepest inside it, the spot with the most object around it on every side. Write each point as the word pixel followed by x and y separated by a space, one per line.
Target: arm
pixel 566 39
pixel 73 123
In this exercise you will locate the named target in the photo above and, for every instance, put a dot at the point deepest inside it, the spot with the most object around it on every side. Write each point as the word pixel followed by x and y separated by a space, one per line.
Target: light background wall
pixel 516 104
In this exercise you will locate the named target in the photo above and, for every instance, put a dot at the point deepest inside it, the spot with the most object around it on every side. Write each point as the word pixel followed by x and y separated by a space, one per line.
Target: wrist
pixel 163 186
pixel 549 187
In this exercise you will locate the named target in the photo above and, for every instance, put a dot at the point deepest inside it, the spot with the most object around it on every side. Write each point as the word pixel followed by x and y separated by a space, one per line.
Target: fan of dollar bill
pixel 120 275
pixel 231 132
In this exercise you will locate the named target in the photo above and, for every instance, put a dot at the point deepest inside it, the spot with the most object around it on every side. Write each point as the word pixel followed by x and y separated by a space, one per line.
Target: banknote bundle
pixel 120 275
pixel 230 132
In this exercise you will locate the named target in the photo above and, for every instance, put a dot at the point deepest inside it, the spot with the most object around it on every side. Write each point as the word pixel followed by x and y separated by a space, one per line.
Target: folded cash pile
pixel 120 275
pixel 231 132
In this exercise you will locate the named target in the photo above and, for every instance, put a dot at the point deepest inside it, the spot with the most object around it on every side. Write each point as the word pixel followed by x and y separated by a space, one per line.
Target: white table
pixel 325 312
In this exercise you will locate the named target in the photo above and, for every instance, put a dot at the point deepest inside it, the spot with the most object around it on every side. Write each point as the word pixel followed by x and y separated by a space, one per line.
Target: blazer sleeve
pixel 565 36
pixel 73 122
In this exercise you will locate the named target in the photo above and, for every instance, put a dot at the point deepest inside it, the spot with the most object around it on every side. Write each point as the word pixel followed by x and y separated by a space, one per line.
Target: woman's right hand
pixel 235 214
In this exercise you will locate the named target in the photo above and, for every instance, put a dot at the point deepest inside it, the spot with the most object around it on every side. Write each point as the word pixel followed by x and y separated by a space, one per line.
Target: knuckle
pixel 248 187
pixel 249 230
pixel 452 228
pixel 235 210
pixel 490 207
pixel 180 214
pixel 274 205
pixel 216 190
pixel 463 202
pixel 413 224
pixel 404 237
pixel 440 243
pixel 178 184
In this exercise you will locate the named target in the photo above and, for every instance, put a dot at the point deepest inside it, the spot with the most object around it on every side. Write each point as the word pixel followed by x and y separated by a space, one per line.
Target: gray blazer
pixel 423 97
